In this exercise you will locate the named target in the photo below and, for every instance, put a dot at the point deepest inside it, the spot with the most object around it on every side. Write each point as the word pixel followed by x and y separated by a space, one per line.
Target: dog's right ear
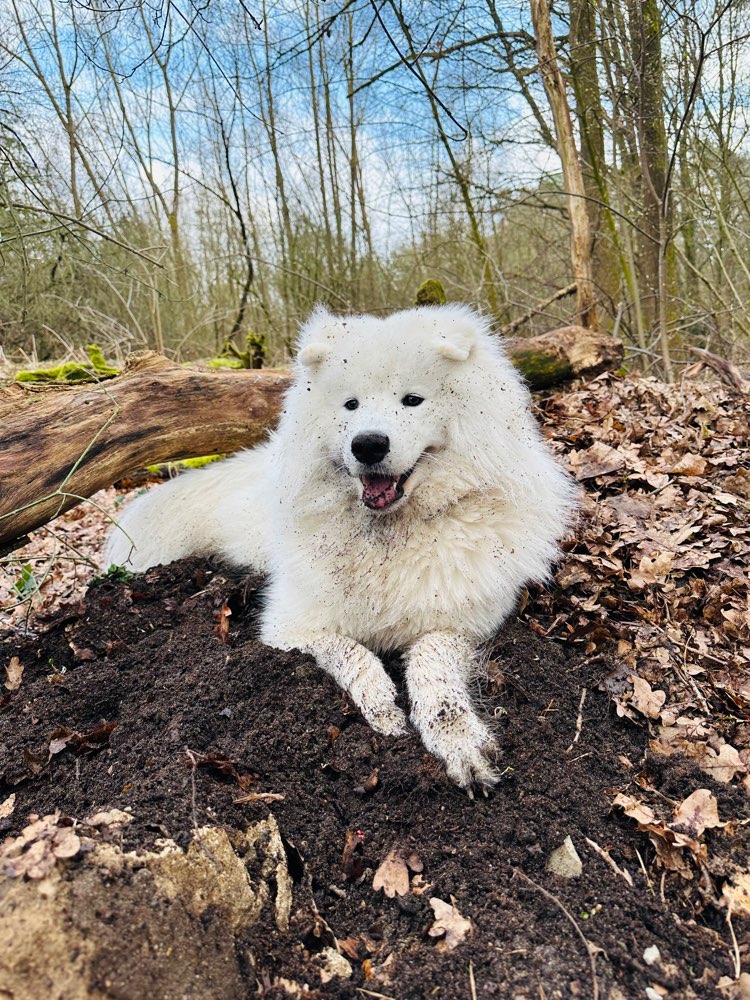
pixel 311 341
pixel 313 355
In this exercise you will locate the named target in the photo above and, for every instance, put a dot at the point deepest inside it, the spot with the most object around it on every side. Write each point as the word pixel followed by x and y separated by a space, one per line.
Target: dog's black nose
pixel 369 449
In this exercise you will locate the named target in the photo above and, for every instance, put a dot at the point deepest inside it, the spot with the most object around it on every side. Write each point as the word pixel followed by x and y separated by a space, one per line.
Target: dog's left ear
pixel 457 343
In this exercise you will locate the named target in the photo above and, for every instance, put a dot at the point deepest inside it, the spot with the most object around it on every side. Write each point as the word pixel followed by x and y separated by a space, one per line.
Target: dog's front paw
pixel 375 696
pixel 390 721
pixel 464 744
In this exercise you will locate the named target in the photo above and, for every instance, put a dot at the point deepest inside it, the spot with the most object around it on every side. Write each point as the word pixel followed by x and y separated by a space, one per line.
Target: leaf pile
pixel 661 562
pixel 57 563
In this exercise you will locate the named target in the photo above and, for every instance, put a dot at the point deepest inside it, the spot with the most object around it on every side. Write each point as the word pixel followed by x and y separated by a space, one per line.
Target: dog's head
pixel 394 405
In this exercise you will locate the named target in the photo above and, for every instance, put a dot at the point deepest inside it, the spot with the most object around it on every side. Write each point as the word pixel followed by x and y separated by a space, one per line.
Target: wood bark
pixel 656 255
pixel 560 355
pixel 63 443
pixel 580 230
pixel 584 78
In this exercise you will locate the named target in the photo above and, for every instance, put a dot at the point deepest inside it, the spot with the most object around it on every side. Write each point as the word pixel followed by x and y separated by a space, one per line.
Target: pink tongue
pixel 378 491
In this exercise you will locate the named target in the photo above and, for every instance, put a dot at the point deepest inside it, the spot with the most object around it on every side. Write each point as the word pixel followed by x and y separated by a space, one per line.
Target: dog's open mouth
pixel 382 492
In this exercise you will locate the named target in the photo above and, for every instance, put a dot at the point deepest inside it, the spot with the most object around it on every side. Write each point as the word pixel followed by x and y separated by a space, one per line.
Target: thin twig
pixel 590 948
pixel 643 869
pixel 605 856
pixel 260 797
pixel 510 329
pixel 472 983
pixel 735 945
pixel 579 720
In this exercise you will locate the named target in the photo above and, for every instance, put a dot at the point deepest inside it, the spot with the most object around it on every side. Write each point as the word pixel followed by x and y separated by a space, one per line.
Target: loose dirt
pixel 153 695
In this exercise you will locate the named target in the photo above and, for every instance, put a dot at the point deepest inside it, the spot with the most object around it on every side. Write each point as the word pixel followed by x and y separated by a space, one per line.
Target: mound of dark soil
pixel 141 699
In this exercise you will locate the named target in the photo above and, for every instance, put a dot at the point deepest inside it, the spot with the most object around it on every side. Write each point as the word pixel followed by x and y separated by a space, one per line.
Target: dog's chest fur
pixel 389 581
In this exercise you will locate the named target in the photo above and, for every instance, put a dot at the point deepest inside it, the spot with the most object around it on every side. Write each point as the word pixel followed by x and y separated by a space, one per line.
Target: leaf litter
pixel 659 569
pixel 653 593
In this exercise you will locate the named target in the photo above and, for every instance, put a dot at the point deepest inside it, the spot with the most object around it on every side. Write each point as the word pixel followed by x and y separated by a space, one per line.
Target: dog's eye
pixel 351 404
pixel 412 399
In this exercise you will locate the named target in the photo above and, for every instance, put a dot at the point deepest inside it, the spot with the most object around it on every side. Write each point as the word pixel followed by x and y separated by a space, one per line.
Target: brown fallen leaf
pixel 392 876
pixel 645 700
pixel 736 893
pixel 221 628
pixel 598 460
pixel 669 843
pixel 14 673
pixel 739 483
pixel 698 812
pixel 245 781
pixel 723 766
pixel 690 465
pixel 96 738
pixel 59 740
pixel 651 569
pixel 216 761
pixel 82 654
pixel 350 947
pixel 450 925
pixel 352 857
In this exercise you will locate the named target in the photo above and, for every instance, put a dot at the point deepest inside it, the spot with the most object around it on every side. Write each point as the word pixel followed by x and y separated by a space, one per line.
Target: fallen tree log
pixel 60 444
pixel 560 355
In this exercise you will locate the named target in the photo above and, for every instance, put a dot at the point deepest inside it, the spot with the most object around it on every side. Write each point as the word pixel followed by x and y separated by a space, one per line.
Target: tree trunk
pixel 584 76
pixel 580 231
pixel 656 257
pixel 63 443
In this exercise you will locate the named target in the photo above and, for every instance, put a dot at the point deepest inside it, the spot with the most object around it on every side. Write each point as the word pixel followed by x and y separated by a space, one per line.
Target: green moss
pixel 167 469
pixel 540 369
pixel 253 356
pixel 73 371
pixel 431 293
pixel 222 362
pixel 100 366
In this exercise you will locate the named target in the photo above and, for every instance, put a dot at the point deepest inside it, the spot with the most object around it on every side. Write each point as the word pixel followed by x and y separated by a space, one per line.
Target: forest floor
pixel 620 695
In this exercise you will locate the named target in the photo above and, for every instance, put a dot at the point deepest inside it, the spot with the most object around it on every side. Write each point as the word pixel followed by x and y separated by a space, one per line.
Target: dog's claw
pixel 465 745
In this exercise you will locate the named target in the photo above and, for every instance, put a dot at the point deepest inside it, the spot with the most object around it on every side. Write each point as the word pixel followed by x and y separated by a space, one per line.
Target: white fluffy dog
pixel 404 500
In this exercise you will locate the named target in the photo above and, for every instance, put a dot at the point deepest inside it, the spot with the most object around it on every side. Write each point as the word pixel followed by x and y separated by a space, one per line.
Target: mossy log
pixel 560 355
pixel 62 443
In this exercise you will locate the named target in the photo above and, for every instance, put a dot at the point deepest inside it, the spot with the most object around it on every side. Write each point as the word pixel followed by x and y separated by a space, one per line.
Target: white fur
pixel 437 573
